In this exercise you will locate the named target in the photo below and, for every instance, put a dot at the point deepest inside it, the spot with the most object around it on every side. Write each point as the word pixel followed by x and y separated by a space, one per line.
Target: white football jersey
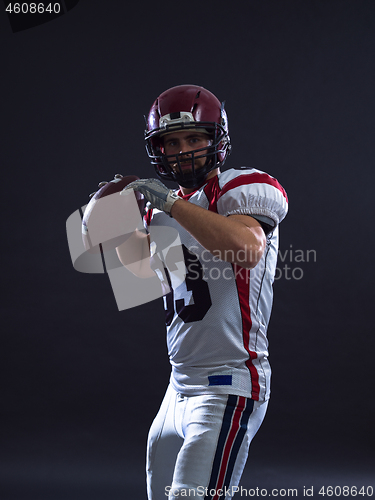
pixel 217 316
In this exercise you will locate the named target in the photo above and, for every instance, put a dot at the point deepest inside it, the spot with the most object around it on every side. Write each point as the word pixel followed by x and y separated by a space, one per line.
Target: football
pixel 109 219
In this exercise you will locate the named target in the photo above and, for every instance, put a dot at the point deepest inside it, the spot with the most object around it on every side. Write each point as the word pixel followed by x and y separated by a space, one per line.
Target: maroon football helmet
pixel 181 108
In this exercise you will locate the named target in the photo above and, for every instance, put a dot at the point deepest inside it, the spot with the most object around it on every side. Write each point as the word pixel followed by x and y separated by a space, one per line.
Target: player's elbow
pixel 250 250
pixel 243 252
pixel 247 240
pixel 249 255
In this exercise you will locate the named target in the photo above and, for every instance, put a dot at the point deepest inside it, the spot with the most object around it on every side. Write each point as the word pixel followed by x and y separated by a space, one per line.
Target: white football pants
pixel 198 445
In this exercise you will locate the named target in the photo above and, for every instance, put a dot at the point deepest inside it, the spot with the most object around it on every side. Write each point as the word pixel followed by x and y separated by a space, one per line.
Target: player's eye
pixel 196 140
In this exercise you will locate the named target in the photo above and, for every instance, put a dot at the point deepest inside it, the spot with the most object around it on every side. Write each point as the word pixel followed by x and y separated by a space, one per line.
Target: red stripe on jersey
pixel 242 277
pixel 229 444
pixel 185 196
pixel 255 178
pixel 211 186
pixel 212 191
pixel 148 216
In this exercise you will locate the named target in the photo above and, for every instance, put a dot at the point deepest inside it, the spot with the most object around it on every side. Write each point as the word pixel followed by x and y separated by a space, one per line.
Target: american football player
pixel 217 318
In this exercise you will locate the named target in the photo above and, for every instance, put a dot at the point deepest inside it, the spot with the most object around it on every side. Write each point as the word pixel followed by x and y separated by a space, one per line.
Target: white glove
pixel 156 193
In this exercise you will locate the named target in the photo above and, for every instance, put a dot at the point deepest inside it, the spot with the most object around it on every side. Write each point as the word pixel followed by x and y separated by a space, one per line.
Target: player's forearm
pixel 225 237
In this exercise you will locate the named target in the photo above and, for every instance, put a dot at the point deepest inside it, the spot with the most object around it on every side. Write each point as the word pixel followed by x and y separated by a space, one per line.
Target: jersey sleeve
pixel 254 193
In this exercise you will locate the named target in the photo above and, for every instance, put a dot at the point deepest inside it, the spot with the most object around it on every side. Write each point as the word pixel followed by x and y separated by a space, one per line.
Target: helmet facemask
pixel 169 167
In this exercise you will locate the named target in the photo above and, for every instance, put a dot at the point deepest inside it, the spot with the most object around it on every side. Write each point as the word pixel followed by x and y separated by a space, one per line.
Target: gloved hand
pixel 156 193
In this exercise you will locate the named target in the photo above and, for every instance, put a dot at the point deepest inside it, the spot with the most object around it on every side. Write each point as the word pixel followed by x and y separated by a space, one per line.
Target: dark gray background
pixel 81 381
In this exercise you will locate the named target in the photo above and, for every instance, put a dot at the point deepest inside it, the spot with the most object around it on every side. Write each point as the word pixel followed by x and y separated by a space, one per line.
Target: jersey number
pixel 196 285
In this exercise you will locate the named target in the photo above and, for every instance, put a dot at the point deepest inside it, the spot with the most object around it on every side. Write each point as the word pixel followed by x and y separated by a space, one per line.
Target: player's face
pixel 181 143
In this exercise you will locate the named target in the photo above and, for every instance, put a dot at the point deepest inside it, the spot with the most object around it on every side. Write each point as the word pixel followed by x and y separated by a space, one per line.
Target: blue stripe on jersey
pixel 220 380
